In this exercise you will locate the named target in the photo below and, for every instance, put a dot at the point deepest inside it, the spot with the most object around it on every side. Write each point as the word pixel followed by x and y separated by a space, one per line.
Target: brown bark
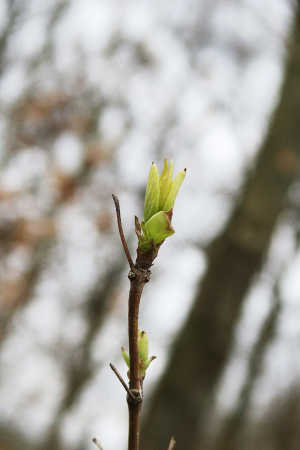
pixel 139 275
pixel 138 278
pixel 185 393
pixel 279 427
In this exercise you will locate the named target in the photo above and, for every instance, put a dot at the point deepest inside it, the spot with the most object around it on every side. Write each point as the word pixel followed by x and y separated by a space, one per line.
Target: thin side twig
pixel 172 443
pixel 122 381
pixel 97 443
pixel 121 232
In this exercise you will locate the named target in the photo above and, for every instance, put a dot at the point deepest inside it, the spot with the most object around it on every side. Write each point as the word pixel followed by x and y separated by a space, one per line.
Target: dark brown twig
pixel 122 381
pixel 138 278
pixel 139 275
pixel 172 443
pixel 121 232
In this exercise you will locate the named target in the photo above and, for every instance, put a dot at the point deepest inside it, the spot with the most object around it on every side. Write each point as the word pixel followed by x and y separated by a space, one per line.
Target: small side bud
pixel 125 356
pixel 144 241
pixel 150 361
pixel 144 360
pixel 143 345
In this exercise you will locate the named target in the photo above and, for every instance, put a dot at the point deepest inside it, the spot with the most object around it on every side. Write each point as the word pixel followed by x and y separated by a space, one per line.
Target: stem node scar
pixel 147 275
pixel 131 275
pixel 135 396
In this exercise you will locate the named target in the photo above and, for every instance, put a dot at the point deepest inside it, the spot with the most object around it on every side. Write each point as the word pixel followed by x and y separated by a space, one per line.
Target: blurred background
pixel 90 93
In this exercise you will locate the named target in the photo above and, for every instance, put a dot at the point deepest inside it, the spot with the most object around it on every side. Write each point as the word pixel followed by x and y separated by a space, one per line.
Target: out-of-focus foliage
pixel 90 93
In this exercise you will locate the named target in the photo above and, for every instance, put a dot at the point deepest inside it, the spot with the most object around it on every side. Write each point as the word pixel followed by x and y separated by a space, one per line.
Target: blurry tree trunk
pixel 279 427
pixel 13 439
pixel 14 11
pixel 230 435
pixel 185 393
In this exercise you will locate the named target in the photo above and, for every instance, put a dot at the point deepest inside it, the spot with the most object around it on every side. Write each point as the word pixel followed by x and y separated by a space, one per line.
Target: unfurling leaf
pixel 159 227
pixel 152 193
pixel 176 183
pixel 165 183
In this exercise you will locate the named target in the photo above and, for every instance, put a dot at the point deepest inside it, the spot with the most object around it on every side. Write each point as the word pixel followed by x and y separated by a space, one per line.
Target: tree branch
pixel 138 277
pixel 118 375
pixel 121 232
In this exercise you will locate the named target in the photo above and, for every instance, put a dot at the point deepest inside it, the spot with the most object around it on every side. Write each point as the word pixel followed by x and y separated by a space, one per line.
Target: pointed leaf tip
pixel 165 182
pixel 143 345
pixel 176 184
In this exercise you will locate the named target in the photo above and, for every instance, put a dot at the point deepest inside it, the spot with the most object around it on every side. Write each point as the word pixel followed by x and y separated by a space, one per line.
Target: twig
pixel 97 443
pixel 138 276
pixel 121 232
pixel 118 375
pixel 172 443
pixel 137 283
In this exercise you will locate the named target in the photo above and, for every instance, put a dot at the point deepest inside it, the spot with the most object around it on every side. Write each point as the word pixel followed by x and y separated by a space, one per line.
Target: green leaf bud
pixel 176 183
pixel 144 242
pixel 152 193
pixel 160 197
pixel 143 345
pixel 158 228
pixel 165 183
pixel 125 356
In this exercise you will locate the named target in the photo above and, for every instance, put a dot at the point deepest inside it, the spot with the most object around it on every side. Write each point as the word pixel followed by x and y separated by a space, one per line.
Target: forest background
pixel 90 93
